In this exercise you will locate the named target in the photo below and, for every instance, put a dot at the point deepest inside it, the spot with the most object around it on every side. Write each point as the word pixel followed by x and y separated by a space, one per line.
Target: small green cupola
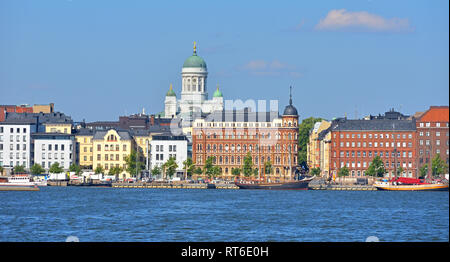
pixel 217 93
pixel 171 92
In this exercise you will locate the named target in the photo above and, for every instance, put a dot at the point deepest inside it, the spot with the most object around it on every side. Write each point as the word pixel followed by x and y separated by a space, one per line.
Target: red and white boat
pixel 410 184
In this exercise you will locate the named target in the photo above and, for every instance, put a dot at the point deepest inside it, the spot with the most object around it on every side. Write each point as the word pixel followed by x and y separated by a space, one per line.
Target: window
pixel 438 133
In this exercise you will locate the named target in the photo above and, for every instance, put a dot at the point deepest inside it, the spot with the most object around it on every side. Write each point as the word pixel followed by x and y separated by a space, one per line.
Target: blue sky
pixel 97 60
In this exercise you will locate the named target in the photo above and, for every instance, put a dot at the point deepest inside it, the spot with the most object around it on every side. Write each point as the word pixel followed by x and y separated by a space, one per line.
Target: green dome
pixel 194 61
pixel 170 92
pixel 217 93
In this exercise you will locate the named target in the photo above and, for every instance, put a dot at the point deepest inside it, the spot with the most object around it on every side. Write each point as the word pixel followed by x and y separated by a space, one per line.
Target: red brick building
pixel 432 135
pixel 230 135
pixel 354 144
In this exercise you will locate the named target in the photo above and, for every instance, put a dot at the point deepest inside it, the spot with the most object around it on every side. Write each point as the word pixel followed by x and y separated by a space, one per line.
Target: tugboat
pixel 410 184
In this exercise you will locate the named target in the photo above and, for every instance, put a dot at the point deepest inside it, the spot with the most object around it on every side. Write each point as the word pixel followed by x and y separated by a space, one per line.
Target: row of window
pixel 428 133
pixel 55 147
pixel 427 142
pixel 374 144
pixel 160 157
pixel 278 136
pixel 237 160
pixel 365 164
pixel 258 148
pixel 111 147
pixel 110 157
pixel 11 130
pixel 160 148
pixel 375 153
pixel 428 124
pixel 376 136
pixel 11 146
pixel 11 138
pixel 55 155
pixel 11 155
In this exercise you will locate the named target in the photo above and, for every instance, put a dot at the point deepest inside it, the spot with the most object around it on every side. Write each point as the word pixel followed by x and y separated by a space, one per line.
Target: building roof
pixel 435 114
pixel 194 60
pixel 123 134
pixel 51 135
pixel 244 115
pixel 41 118
pixel 373 125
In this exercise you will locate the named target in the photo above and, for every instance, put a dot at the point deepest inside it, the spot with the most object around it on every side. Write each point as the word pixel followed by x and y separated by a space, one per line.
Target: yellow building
pixel 315 154
pixel 44 108
pixel 65 128
pixel 324 138
pixel 110 149
pixel 85 154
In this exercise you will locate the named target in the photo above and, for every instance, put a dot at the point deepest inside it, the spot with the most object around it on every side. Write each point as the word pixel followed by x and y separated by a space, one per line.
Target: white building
pixel 50 148
pixel 194 94
pixel 163 147
pixel 15 144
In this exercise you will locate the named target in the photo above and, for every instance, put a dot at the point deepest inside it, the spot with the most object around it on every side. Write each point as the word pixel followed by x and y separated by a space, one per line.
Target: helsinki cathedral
pixel 194 92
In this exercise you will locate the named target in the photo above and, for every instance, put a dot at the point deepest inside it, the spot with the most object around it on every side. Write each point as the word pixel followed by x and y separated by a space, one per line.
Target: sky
pixel 98 60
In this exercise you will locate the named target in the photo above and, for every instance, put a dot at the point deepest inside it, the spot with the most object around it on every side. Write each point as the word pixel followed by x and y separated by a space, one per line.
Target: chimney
pixel 152 120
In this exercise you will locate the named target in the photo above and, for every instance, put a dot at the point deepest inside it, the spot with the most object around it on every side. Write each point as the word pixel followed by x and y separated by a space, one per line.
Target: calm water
pixel 113 214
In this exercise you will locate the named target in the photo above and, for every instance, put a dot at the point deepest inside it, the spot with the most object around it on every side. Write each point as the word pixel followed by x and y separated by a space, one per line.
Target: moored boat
pixel 301 184
pixel 410 184
pixel 20 181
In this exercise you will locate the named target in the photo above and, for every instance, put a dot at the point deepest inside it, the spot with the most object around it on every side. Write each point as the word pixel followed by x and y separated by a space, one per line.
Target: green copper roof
pixel 194 61
pixel 170 92
pixel 217 93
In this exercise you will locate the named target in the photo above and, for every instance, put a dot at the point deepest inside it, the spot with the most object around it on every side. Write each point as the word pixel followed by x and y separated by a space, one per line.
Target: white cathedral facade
pixel 194 94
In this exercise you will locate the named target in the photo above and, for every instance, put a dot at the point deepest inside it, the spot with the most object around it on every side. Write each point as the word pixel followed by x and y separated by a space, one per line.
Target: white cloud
pixel 342 20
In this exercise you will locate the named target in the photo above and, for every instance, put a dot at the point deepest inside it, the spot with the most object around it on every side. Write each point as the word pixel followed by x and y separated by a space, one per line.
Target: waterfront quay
pixel 175 185
pixel 341 187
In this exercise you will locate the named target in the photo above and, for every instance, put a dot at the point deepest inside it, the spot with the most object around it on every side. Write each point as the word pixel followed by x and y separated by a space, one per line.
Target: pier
pixel 175 185
pixel 18 188
pixel 341 187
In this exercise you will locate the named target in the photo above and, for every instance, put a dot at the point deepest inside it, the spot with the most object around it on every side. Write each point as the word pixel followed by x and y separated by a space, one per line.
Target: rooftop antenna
pixel 290 95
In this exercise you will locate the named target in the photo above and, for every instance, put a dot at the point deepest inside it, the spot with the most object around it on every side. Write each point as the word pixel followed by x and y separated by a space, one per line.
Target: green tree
pixel 255 172
pixel 55 168
pixel 37 169
pixel 170 167
pixel 303 138
pixel 75 168
pixel 188 166
pixel 156 171
pixel 247 169
pixel 134 163
pixel 1 170
pixel 209 166
pixel 438 166
pixel 400 171
pixel 198 171
pixel 343 172
pixel 115 171
pixel 268 169
pixel 315 171
pixel 99 170
pixel 423 170
pixel 19 169
pixel 236 171
pixel 216 171
pixel 376 168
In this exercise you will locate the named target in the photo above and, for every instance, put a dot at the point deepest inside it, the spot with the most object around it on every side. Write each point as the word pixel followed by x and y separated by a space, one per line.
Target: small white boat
pixel 20 180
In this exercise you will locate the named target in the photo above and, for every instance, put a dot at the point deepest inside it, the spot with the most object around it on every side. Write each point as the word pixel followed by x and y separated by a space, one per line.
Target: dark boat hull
pixel 296 185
